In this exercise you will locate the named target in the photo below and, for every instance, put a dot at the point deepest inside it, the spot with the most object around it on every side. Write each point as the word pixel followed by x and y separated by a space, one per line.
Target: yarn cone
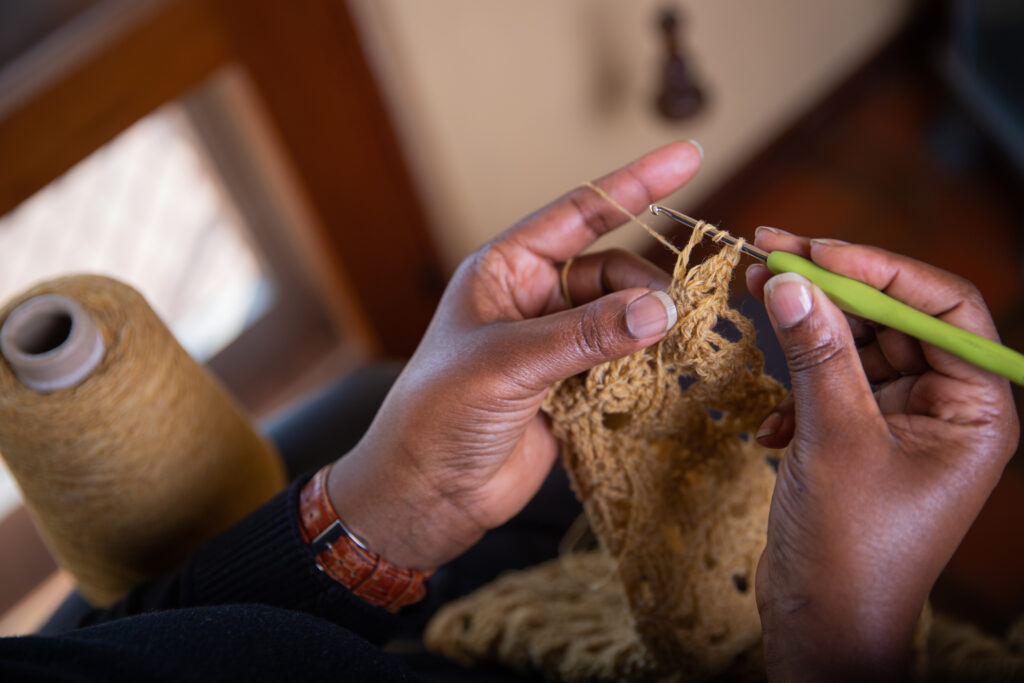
pixel 128 468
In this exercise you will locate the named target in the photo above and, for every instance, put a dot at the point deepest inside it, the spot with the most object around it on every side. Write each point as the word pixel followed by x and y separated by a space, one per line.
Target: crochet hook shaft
pixel 867 302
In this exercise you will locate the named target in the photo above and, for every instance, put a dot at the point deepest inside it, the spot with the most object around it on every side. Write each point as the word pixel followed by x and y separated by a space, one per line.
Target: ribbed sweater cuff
pixel 264 560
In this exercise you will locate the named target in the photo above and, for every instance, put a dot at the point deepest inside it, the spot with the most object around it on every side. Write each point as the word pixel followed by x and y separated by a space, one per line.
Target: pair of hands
pixel 892 447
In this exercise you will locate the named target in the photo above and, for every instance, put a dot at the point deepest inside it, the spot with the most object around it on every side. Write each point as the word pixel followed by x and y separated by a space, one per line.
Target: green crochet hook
pixel 867 302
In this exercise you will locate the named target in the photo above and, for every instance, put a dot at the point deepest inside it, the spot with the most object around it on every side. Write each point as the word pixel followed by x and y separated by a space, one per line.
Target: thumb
pixel 558 346
pixel 830 389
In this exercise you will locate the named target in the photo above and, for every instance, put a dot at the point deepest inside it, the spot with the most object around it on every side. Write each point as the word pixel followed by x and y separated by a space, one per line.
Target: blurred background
pixel 290 184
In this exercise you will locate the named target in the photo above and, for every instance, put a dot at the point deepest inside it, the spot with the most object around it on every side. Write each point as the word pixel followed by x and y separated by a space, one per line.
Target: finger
pixel 830 390
pixel 591 276
pixel 776 431
pixel 892 397
pixel 876 366
pixel 888 354
pixel 565 227
pixel 775 239
pixel 926 288
pixel 545 350
pixel 756 275
pixel 901 351
pixel 863 332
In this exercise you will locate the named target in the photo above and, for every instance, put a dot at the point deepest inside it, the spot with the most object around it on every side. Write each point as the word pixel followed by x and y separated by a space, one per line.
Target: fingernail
pixel 755 269
pixel 788 296
pixel 828 242
pixel 774 231
pixel 700 148
pixel 651 315
pixel 770 425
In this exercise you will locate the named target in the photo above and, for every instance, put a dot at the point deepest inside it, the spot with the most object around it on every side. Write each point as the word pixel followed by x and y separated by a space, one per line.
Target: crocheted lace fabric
pixel 659 448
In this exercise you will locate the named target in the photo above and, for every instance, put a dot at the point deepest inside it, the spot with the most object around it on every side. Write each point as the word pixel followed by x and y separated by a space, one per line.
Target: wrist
pixel 398 517
pixel 806 640
pixel 345 558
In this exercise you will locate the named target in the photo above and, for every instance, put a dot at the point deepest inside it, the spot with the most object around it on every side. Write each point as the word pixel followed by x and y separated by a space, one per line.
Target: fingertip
pixel 699 147
pixel 789 299
pixel 770 426
pixel 776 239
pixel 651 316
pixel 765 234
pixel 777 430
pixel 666 169
pixel 756 275
pixel 671 312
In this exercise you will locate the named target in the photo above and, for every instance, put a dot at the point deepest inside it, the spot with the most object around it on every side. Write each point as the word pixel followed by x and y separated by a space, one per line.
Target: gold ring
pixel 565 283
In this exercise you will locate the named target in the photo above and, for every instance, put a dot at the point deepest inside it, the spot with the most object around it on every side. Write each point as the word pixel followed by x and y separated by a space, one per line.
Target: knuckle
pixel 803 356
pixel 486 258
pixel 967 294
pixel 491 265
pixel 965 291
pixel 474 264
pixel 974 298
pixel 592 337
pixel 589 213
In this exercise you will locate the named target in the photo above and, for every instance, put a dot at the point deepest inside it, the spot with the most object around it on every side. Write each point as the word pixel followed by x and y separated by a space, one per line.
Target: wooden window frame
pixel 122 59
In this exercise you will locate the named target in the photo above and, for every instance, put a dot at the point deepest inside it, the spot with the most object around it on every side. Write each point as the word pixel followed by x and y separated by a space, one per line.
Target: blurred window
pixel 146 209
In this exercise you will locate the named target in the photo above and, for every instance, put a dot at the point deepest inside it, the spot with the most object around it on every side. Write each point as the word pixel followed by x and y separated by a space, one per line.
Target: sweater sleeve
pixel 261 560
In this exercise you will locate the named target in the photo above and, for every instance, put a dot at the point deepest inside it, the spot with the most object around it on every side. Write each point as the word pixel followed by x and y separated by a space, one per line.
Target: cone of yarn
pixel 130 455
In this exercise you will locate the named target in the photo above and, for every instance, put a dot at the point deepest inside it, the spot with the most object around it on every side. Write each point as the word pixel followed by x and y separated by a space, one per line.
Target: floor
pixel 890 161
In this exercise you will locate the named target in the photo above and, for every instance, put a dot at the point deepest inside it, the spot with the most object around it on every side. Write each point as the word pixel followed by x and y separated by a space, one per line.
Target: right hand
pixel 892 448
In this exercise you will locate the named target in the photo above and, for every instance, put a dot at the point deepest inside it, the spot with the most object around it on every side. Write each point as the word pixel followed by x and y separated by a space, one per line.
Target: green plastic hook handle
pixel 867 302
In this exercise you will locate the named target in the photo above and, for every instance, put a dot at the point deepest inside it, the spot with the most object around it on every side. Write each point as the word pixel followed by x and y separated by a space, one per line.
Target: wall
pixel 504 105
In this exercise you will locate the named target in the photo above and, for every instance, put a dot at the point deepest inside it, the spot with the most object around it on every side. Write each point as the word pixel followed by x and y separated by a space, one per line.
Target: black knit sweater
pixel 249 605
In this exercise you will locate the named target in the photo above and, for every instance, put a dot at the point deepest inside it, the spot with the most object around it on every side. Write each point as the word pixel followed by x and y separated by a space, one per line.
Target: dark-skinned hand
pixel 892 447
pixel 459 446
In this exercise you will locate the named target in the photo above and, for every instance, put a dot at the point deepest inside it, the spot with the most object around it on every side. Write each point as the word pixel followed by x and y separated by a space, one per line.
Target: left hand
pixel 459 446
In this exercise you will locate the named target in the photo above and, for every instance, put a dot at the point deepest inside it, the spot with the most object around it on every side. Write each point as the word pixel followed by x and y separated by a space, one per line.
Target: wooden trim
pixel 44 132
pixel 308 66
pixel 312 314
pixel 240 142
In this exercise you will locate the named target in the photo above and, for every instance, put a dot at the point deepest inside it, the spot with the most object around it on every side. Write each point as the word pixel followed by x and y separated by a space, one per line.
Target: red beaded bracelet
pixel 345 557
